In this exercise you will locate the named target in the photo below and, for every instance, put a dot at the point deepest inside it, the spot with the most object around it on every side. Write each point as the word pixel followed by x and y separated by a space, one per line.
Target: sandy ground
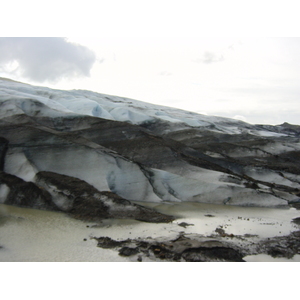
pixel 41 236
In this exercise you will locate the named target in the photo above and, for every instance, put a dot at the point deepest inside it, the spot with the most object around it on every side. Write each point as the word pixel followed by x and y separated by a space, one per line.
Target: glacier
pixel 143 152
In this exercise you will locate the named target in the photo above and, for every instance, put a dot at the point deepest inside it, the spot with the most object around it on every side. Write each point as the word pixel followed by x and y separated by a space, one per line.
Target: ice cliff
pixel 143 152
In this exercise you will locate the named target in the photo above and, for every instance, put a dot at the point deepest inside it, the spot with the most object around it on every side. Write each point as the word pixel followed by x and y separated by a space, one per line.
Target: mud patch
pixel 179 249
pixel 203 249
pixel 296 221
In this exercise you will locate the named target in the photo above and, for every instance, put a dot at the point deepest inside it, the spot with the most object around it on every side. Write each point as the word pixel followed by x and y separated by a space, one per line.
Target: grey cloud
pixel 210 57
pixel 214 56
pixel 165 73
pixel 46 58
pixel 100 60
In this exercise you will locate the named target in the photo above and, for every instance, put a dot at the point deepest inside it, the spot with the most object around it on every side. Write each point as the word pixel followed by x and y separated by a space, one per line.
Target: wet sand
pixel 42 236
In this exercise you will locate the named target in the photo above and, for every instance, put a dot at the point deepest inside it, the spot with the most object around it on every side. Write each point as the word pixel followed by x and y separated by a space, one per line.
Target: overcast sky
pixel 254 79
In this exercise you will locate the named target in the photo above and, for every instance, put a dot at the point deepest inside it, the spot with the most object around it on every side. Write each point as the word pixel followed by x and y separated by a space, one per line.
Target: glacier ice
pixel 146 152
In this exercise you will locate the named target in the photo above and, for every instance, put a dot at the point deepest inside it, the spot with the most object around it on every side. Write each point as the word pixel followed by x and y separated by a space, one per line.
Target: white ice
pixel 106 171
pixel 106 106
pixel 16 163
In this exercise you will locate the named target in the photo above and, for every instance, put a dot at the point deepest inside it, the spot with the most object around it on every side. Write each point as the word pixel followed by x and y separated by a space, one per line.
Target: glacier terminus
pixel 94 156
